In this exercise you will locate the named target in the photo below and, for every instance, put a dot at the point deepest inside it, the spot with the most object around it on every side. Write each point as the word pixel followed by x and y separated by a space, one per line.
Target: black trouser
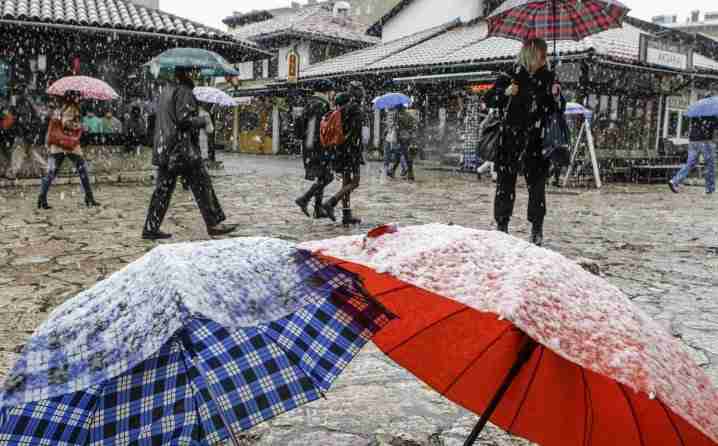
pixel 351 175
pixel 520 150
pixel 316 191
pixel 199 182
pixel 54 163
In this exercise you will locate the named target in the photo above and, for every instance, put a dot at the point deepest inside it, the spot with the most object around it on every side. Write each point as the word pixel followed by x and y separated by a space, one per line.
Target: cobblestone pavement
pixel 660 248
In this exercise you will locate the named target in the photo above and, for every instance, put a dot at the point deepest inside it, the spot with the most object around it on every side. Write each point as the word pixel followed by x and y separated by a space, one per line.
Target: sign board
pixel 678 102
pixel 292 66
pixel 660 52
pixel 480 88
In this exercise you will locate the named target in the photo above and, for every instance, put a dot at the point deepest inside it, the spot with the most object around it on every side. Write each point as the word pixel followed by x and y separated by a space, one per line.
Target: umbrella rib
pixel 633 413
pixel 433 324
pixel 471 364
pixel 528 388
pixel 587 426
pixel 673 424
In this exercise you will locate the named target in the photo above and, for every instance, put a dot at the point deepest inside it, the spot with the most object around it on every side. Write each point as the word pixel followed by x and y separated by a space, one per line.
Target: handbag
pixel 490 136
pixel 58 135
pixel 556 139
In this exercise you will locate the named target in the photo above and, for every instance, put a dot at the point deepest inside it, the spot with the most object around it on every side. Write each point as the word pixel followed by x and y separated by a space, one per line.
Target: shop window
pixel 685 127
pixel 674 118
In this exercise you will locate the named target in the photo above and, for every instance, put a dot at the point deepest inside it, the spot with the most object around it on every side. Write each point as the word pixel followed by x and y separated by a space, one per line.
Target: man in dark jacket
pixel 701 140
pixel 178 118
pixel 317 159
pixel 135 129
pixel 348 157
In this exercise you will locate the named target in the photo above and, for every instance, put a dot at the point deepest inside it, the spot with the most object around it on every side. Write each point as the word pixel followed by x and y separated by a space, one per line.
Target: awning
pixel 475 76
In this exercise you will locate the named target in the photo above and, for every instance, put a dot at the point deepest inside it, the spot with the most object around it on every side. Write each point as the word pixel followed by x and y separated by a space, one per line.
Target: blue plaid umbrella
pixel 191 344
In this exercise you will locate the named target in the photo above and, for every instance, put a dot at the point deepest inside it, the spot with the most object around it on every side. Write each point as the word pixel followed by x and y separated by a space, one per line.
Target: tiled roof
pixel 119 14
pixel 317 21
pixel 468 44
pixel 361 59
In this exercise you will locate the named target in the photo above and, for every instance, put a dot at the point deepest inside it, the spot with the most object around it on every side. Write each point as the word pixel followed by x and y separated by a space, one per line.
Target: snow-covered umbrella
pixel 89 88
pixel 528 339
pixel 190 344
pixel 206 62
pixel 214 95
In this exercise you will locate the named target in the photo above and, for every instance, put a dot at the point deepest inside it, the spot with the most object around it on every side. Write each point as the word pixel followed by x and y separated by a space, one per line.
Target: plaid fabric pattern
pixel 209 382
pixel 573 20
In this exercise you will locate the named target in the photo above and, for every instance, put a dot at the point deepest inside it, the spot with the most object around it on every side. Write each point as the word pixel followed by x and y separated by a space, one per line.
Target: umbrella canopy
pixel 574 108
pixel 600 372
pixel 391 100
pixel 555 19
pixel 214 95
pixel 190 344
pixel 208 63
pixel 89 88
pixel 704 108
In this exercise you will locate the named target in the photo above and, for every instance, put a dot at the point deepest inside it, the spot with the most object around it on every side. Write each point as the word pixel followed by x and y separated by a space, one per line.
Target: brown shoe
pixel 221 229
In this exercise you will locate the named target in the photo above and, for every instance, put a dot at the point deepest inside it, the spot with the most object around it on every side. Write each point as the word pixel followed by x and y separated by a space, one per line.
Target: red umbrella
pixel 89 87
pixel 529 339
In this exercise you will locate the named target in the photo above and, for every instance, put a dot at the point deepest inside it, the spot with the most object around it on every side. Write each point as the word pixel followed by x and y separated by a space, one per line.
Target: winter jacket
pixel 178 113
pixel 534 101
pixel 702 129
pixel 69 115
pixel 316 157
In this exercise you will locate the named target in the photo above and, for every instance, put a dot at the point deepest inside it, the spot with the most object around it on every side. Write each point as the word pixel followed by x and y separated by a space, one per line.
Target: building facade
pixel 696 23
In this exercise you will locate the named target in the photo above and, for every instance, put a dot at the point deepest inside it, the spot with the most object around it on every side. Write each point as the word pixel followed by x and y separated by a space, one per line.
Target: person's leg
pixel 324 180
pixel 388 158
pixel 536 170
pixel 690 164
pixel 352 183
pixel 160 201
pixel 507 167
pixel 81 167
pixel 709 150
pixel 201 185
pixel 404 159
pixel 54 162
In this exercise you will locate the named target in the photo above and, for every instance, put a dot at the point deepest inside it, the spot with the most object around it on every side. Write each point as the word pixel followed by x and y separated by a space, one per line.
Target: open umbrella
pixel 89 87
pixel 528 339
pixel 208 63
pixel 555 19
pixel 574 108
pixel 190 344
pixel 391 100
pixel 704 108
pixel 214 95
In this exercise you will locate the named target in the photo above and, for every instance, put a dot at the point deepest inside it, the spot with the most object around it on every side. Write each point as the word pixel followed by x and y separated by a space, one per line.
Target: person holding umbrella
pixel 317 159
pixel 176 152
pixel 528 94
pixel 63 141
pixel 704 124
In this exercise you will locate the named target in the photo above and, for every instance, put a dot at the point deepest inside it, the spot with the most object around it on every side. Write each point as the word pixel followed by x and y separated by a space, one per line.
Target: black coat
pixel 316 158
pixel 349 154
pixel 177 114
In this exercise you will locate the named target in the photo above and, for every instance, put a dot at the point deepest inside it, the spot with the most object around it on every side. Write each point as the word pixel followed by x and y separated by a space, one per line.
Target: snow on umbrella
pixel 214 95
pixel 589 366
pixel 574 108
pixel 190 344
pixel 391 100
pixel 704 108
pixel 207 62
pixel 89 88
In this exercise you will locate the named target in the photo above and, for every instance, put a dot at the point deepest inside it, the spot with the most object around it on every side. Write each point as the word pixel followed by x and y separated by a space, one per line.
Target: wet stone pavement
pixel 661 249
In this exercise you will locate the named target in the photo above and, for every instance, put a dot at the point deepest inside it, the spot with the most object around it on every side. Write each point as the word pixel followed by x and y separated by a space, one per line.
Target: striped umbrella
pixel 555 19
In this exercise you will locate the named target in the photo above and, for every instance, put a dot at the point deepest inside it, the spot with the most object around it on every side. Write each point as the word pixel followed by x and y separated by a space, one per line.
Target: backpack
pixel 331 132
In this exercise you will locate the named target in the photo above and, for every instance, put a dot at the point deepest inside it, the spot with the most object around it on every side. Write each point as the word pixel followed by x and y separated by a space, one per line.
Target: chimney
pixel 696 16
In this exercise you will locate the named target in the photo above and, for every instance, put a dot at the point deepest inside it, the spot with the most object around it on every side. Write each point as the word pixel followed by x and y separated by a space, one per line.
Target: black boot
pixel 328 209
pixel 42 202
pixel 347 219
pixel 303 202
pixel 90 201
pixel 503 226
pixel 537 234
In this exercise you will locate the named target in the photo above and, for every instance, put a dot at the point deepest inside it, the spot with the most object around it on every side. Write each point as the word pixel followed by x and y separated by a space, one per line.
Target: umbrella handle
pixel 521 360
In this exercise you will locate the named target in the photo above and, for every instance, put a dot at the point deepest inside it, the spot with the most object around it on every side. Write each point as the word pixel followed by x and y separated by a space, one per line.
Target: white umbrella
pixel 214 96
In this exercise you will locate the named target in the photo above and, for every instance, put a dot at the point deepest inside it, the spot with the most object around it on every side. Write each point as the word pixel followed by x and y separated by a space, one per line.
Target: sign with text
pixel 660 52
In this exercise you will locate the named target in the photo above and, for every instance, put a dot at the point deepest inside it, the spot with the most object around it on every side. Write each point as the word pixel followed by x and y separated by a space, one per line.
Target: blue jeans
pixel 53 166
pixel 694 149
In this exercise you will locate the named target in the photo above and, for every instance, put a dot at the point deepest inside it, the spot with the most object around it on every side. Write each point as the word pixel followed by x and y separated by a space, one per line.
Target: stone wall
pixel 28 163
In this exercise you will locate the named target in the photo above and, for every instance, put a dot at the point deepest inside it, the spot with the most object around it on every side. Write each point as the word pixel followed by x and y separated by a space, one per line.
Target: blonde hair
pixel 531 52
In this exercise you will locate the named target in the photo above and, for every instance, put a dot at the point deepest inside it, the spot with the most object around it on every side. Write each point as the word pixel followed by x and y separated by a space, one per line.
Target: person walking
pixel 317 159
pixel 406 130
pixel 65 121
pixel 391 139
pixel 348 156
pixel 176 147
pixel 530 93
pixel 701 140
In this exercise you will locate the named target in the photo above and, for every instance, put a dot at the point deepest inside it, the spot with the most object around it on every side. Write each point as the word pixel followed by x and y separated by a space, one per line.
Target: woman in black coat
pixel 530 93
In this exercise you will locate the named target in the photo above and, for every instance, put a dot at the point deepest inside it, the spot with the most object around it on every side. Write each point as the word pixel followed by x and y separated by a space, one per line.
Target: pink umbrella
pixel 89 87
pixel 528 339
